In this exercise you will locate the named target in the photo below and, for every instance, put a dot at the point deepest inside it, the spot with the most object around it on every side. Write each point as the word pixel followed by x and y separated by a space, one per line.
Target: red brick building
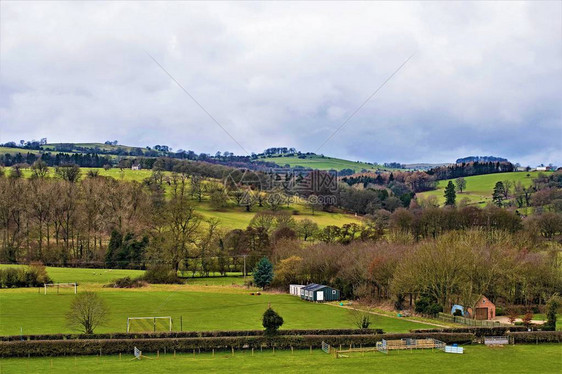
pixel 484 309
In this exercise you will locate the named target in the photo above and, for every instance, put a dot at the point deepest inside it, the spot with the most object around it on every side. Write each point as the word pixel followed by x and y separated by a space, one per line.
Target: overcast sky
pixel 485 78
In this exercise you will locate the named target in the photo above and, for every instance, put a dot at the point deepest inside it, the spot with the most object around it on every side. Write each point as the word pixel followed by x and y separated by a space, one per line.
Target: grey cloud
pixel 486 77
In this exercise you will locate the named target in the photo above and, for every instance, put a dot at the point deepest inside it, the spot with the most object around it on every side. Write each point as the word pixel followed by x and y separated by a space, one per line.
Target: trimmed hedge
pixel 114 346
pixel 189 334
pixel 478 331
pixel 536 337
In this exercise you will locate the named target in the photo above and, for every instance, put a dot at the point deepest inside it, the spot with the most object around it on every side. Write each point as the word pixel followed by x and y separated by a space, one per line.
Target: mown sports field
pixel 546 358
pixel 202 304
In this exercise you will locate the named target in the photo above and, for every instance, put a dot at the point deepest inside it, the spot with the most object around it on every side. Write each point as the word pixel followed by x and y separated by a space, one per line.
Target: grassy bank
pixel 511 359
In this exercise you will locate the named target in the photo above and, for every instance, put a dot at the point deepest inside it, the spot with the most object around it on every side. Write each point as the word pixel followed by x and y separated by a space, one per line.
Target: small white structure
pixel 295 289
pixel 453 349
pixel 496 340
pixel 136 167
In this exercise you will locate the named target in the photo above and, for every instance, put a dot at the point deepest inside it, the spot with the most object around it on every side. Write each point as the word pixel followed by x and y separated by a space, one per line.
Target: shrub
pixel 127 282
pixel 426 305
pixel 161 274
pixel 512 314
pixel 527 318
pixel 32 276
pixel 271 321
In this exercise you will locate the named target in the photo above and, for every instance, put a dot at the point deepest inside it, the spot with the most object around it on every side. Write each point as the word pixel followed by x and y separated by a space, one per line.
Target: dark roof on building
pixel 314 287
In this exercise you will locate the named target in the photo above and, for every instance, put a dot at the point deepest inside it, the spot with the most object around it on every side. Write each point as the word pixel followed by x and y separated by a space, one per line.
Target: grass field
pixel 202 308
pixel 476 359
pixel 216 303
pixel 322 163
pixel 479 188
pixel 14 151
pixel 82 275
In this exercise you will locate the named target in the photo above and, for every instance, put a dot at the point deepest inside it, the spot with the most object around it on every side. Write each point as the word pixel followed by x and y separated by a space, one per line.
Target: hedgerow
pixel 189 334
pixel 536 337
pixel 114 346
pixel 477 331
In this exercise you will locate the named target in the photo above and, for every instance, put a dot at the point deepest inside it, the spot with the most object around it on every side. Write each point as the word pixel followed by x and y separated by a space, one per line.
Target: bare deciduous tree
pixel 87 311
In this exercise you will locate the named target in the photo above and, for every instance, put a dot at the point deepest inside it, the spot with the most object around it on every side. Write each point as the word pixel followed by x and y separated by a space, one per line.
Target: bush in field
pixel 271 321
pixel 128 282
pixel 360 318
pixel 87 311
pixel 161 274
pixel 263 273
pixel 32 276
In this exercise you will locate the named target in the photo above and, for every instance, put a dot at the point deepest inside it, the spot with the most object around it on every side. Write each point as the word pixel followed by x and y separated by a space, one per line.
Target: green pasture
pixel 479 188
pixel 476 359
pixel 202 308
pixel 85 275
pixel 14 151
pixel 322 163
pixel 236 217
pixel 105 276
pixel 116 173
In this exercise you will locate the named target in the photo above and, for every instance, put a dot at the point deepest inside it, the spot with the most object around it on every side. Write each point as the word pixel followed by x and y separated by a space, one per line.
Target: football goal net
pixel 61 287
pixel 147 324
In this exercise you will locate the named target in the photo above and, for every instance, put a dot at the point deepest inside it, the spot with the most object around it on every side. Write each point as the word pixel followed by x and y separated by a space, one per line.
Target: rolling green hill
pixel 479 188
pixel 323 163
pixel 13 151
pixel 105 148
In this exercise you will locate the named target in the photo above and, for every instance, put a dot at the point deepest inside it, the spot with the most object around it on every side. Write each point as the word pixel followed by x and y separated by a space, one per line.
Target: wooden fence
pixel 470 321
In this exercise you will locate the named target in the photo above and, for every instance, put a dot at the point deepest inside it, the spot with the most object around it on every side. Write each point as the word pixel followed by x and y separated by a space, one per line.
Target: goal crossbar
pixel 129 319
pixel 58 285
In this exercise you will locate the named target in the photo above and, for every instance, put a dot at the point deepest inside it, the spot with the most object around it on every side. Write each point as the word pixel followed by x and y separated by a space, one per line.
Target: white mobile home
pixel 295 289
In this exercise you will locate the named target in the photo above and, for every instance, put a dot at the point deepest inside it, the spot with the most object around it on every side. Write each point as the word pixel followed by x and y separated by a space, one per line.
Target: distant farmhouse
pixel 136 167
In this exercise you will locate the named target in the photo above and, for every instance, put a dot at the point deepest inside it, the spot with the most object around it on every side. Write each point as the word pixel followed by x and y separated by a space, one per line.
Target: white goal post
pixel 153 319
pixel 59 285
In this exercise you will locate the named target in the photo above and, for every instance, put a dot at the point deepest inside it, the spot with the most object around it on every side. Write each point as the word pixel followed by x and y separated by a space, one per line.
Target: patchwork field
pixel 479 188
pixel 476 359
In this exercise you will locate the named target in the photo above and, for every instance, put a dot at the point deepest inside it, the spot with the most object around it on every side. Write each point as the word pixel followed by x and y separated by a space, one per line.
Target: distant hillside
pixel 320 162
pixel 481 159
pixel 101 148
pixel 424 166
pixel 479 188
